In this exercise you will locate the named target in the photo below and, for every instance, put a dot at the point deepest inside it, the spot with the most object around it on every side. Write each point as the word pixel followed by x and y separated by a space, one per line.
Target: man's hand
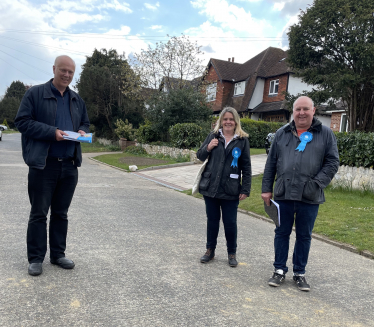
pixel 242 197
pixel 82 133
pixel 59 135
pixel 266 197
pixel 213 143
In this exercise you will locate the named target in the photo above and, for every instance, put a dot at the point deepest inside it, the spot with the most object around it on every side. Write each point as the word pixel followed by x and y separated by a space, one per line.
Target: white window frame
pixel 239 88
pixel 341 123
pixel 211 91
pixel 273 84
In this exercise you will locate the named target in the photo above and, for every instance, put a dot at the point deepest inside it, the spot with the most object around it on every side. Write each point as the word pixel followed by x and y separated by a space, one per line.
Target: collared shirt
pixel 62 149
pixel 227 143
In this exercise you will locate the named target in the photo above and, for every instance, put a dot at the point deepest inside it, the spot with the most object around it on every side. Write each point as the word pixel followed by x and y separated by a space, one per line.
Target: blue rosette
pixel 236 152
pixel 305 138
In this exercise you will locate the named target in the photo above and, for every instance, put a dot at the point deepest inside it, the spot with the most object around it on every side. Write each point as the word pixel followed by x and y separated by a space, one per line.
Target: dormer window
pixel 274 87
pixel 211 91
pixel 239 88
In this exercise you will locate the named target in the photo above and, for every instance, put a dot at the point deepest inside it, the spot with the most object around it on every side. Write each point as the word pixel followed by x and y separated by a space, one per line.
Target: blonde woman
pixel 225 181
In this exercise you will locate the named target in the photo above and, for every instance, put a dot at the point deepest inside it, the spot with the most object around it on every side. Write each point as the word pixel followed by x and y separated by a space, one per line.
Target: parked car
pixel 1 134
pixel 269 139
pixel 3 128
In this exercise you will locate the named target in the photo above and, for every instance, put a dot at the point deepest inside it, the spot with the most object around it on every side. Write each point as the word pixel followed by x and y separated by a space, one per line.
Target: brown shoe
pixel 209 255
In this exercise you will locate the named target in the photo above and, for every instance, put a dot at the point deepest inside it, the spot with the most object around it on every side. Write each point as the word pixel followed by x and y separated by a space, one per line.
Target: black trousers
pixel 229 208
pixel 53 187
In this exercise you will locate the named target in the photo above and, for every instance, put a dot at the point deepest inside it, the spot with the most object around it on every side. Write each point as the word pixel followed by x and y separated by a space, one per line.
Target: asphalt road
pixel 136 246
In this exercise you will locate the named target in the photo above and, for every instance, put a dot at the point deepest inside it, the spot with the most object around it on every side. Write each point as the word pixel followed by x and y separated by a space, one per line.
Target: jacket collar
pixel 47 92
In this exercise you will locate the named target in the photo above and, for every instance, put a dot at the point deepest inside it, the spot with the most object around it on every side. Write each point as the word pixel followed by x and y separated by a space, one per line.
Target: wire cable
pixel 49 74
pixel 18 70
pixel 2 45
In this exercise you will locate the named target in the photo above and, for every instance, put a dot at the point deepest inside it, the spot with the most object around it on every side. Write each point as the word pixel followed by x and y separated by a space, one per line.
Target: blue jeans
pixel 304 215
pixel 229 213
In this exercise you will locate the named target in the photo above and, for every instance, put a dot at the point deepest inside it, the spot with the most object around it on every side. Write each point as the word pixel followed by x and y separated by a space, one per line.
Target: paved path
pixel 136 245
pixel 182 177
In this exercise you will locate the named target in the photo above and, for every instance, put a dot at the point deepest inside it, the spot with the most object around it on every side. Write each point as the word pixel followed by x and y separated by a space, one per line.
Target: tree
pixel 178 106
pixel 111 90
pixel 332 47
pixel 175 63
pixel 10 103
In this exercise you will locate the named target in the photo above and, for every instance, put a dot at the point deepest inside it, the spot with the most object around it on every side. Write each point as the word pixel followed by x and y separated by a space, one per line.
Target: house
pixel 256 87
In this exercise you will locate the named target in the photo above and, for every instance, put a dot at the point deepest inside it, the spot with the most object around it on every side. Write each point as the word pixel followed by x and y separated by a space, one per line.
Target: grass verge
pixel 347 216
pixel 10 132
pixel 97 147
pixel 114 160
pixel 254 151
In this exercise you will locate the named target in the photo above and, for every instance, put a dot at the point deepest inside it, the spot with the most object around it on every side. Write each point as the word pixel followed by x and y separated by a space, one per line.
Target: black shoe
pixel 35 269
pixel 63 263
pixel 232 260
pixel 277 279
pixel 301 283
pixel 209 255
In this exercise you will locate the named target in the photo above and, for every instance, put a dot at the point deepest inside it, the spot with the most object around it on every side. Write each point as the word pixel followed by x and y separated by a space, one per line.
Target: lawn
pixel 254 151
pixel 124 160
pixel 97 147
pixel 346 216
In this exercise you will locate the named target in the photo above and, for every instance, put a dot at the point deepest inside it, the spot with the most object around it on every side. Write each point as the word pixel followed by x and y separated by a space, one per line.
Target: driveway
pixel 136 245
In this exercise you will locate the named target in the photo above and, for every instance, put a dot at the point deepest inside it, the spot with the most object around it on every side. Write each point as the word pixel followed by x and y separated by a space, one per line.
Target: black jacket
pixel 301 176
pixel 216 180
pixel 36 121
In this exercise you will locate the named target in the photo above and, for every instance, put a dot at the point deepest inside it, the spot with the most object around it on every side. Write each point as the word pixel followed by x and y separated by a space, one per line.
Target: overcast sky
pixel 34 32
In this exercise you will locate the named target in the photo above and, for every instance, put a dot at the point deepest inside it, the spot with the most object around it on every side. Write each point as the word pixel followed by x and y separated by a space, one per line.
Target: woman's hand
pixel 242 197
pixel 213 143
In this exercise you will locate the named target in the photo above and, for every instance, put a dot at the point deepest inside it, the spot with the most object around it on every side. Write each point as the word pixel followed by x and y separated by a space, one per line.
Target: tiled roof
pixel 269 106
pixel 270 62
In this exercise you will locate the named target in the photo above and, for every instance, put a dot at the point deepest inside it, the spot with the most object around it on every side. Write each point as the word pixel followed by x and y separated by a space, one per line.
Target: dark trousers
pixel 229 213
pixel 304 215
pixel 53 187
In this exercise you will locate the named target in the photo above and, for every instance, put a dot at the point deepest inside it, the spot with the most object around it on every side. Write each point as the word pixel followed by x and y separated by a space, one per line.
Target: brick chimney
pixel 232 59
pixel 228 60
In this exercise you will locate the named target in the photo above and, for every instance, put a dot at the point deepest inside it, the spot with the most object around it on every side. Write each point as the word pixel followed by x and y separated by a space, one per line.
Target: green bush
pixel 133 149
pixel 258 130
pixel 186 135
pixel 124 129
pixel 356 149
pixel 147 133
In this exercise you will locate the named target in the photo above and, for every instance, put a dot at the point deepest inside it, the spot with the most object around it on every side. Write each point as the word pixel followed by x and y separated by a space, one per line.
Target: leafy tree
pixel 111 90
pixel 178 106
pixel 16 90
pixel 8 110
pixel 175 62
pixel 332 46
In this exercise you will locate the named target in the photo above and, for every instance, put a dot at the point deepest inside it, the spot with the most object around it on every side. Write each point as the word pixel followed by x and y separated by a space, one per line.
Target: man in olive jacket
pixel 304 157
pixel 46 111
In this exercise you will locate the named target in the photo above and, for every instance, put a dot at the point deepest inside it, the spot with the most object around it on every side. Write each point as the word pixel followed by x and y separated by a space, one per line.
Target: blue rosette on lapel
pixel 305 138
pixel 236 152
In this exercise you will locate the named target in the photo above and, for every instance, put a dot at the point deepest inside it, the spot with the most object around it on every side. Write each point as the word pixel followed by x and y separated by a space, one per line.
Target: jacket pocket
pixel 232 186
pixel 279 188
pixel 205 181
pixel 311 190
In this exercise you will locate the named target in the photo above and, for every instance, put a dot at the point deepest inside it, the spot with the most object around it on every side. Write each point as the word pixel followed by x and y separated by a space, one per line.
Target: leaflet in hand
pixel 77 137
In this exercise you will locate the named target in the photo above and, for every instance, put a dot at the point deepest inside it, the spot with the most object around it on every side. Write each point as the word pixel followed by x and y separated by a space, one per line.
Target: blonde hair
pixel 238 127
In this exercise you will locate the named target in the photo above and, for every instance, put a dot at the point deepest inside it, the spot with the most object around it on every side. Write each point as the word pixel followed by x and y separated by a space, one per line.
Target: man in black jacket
pixel 304 157
pixel 46 111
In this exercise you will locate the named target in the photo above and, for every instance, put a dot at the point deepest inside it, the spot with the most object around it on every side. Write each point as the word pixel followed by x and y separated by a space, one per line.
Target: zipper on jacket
pixel 45 160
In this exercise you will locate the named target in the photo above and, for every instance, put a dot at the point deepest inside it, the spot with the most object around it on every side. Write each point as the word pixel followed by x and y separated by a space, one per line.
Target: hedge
pixel 356 149
pixel 258 130
pixel 186 135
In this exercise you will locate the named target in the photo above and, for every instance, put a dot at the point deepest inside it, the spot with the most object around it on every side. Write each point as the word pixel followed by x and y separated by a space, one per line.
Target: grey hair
pixel 63 56
pixel 303 96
